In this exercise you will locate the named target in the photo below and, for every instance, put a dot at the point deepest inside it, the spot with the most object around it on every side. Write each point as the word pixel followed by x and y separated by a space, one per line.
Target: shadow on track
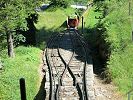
pixel 41 95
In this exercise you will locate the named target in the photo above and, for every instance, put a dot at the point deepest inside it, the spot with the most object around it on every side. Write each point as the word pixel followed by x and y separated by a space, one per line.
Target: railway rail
pixel 66 58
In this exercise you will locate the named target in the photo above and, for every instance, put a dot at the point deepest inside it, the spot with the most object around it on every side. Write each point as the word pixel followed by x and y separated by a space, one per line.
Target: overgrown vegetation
pixel 120 64
pixel 109 32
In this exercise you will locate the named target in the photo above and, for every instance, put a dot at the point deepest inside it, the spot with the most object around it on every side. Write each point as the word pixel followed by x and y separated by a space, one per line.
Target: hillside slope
pixel 108 31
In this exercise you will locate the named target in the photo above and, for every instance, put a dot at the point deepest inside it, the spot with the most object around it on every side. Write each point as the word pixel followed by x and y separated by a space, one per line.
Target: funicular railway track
pixel 66 60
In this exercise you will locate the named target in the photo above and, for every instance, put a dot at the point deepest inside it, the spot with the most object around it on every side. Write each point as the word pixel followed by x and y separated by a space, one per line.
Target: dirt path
pixel 105 91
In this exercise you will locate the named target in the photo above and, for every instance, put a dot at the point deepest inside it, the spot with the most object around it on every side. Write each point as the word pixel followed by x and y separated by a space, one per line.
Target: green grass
pixel 90 18
pixel 121 68
pixel 53 19
pixel 91 21
pixel 25 64
pixel 119 35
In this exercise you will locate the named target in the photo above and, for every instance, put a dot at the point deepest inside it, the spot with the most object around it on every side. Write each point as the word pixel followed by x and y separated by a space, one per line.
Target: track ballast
pixel 69 76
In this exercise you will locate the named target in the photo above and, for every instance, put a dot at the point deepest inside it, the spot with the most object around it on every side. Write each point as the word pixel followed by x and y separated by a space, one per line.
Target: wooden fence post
pixel 22 89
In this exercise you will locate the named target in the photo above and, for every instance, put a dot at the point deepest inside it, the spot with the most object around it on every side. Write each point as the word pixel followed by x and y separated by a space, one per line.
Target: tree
pixel 13 14
pixel 11 19
pixel 60 3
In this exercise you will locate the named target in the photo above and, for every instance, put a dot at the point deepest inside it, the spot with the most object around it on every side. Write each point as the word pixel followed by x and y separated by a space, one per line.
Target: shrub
pixel 60 3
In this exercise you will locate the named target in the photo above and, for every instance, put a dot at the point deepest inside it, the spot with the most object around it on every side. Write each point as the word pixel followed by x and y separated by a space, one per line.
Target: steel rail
pixel 64 71
pixel 77 84
pixel 71 73
pixel 60 78
pixel 84 78
pixel 51 95
pixel 54 89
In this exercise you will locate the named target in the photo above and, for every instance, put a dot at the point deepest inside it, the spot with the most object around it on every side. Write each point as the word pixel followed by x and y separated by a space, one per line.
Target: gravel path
pixel 105 91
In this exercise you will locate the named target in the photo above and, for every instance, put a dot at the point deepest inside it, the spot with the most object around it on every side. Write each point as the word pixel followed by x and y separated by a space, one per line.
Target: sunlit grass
pixel 53 19
pixel 90 17
pixel 50 22
pixel 121 68
pixel 25 64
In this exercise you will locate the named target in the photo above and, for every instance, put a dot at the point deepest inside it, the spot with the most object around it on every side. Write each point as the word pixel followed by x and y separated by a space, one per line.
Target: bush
pixel 60 3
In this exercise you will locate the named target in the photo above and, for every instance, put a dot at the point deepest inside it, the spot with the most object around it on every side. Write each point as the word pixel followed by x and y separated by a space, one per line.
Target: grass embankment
pixel 118 38
pixel 121 59
pixel 89 18
pixel 25 65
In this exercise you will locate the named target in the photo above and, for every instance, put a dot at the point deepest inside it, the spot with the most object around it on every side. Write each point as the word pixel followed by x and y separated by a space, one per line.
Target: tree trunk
pixel 10 45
